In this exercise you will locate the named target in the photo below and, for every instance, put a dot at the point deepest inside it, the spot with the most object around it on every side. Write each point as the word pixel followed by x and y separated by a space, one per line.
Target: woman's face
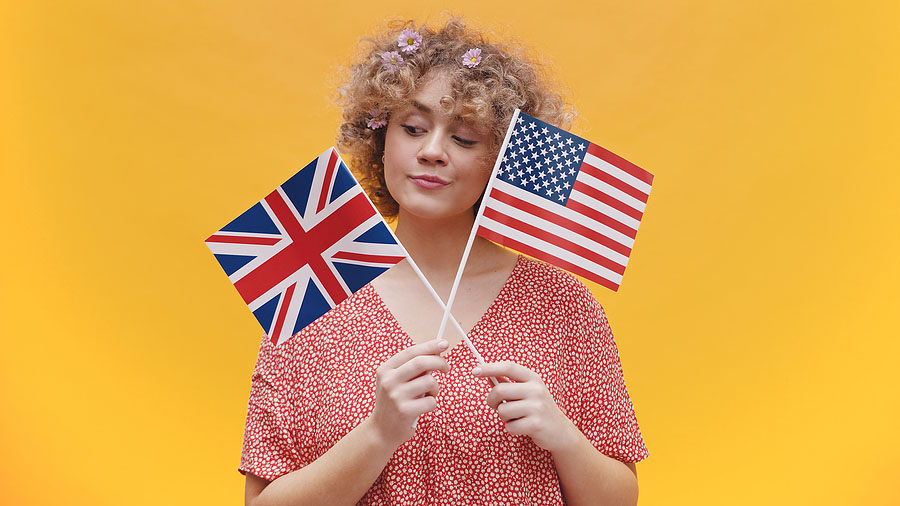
pixel 435 165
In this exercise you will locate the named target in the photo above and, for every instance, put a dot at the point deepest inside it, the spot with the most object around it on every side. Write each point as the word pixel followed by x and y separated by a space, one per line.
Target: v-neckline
pixel 409 340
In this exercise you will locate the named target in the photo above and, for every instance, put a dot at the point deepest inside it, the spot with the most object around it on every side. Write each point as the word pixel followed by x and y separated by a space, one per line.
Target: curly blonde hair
pixel 486 95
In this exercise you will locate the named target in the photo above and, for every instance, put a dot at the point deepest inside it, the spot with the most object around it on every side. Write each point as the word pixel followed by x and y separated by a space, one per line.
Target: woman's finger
pixel 509 369
pixel 506 392
pixel 432 347
pixel 509 411
pixel 417 387
pixel 419 365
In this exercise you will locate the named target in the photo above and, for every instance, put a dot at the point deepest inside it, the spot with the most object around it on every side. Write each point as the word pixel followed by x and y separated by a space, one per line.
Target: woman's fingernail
pixel 443 344
pixel 476 371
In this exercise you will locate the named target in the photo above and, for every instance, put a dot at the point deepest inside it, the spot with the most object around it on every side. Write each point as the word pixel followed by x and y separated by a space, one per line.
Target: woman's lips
pixel 429 182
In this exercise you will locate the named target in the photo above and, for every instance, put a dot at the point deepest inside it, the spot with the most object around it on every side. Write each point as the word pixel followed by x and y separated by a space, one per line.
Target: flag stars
pixel 562 197
pixel 556 136
pixel 569 141
pixel 581 147
pixel 545 131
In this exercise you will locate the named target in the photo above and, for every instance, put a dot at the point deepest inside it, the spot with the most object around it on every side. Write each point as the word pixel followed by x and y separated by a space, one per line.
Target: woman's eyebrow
pixel 420 106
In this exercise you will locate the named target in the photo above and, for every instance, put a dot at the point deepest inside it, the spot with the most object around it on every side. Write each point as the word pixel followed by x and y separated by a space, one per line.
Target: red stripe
pixel 613 181
pixel 542 255
pixel 550 238
pixel 326 185
pixel 606 199
pixel 618 161
pixel 365 257
pixel 549 215
pixel 279 322
pixel 268 241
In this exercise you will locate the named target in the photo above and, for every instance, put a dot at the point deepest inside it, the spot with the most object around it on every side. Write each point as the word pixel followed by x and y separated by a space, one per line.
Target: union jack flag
pixel 305 247
pixel 564 200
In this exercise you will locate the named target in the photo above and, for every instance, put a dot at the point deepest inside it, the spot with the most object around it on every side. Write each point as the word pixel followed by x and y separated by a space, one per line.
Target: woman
pixel 364 406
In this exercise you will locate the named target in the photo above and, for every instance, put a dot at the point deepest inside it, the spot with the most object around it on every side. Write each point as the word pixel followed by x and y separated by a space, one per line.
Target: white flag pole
pixel 465 257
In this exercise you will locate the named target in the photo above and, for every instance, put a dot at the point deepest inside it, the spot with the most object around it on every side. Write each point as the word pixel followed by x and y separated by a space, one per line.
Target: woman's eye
pixel 464 142
pixel 412 129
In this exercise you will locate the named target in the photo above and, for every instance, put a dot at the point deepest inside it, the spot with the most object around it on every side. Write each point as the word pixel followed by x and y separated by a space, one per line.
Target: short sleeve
pixel 269 449
pixel 603 408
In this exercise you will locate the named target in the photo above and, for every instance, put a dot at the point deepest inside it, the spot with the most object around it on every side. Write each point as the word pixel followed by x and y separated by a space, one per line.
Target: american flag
pixel 306 247
pixel 567 201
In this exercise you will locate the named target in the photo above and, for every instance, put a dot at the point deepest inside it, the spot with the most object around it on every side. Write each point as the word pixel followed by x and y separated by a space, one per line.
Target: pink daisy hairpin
pixel 409 41
pixel 391 60
pixel 377 119
pixel 472 57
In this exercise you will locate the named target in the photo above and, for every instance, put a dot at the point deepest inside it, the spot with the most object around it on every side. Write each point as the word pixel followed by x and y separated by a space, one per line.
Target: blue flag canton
pixel 542 159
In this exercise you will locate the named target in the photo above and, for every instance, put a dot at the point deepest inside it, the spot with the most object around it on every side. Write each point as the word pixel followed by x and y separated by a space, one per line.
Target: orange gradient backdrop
pixel 757 322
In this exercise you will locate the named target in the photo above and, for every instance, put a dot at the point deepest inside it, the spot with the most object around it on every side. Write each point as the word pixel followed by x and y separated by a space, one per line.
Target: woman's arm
pixel 586 476
pixel 405 389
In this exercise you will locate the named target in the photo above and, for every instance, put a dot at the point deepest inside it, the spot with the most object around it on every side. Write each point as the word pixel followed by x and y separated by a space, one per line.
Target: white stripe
pixel 230 248
pixel 318 182
pixel 610 190
pixel 575 216
pixel 602 208
pixel 612 170
pixel 557 230
pixel 259 235
pixel 293 310
pixel 551 249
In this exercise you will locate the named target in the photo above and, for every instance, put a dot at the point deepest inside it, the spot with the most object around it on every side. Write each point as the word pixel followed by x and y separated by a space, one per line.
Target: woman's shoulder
pixel 343 321
pixel 550 283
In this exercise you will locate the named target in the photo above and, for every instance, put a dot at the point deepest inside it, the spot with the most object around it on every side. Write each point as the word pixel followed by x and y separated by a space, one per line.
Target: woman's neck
pixel 437 245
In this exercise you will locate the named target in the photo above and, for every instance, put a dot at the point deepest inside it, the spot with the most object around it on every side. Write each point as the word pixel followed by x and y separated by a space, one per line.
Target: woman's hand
pixel 526 406
pixel 405 389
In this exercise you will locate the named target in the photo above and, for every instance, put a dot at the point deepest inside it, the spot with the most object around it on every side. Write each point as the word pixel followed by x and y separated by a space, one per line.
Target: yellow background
pixel 758 320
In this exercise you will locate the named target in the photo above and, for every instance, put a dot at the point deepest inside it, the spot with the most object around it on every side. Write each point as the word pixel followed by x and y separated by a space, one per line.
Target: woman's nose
pixel 432 150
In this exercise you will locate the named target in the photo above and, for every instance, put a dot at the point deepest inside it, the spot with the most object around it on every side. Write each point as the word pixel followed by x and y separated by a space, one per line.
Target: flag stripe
pixel 598 195
pixel 268 241
pixel 329 181
pixel 517 206
pixel 600 214
pixel 551 238
pixel 541 254
pixel 618 161
pixel 640 188
pixel 551 249
pixel 588 177
pixel 362 257
pixel 282 312
pixel 599 217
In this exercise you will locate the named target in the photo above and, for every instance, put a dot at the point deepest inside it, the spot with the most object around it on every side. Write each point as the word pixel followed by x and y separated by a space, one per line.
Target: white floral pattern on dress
pixel 315 388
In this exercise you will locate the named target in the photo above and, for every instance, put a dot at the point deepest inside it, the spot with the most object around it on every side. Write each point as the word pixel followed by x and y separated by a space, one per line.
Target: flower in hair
pixel 472 57
pixel 391 60
pixel 409 41
pixel 377 119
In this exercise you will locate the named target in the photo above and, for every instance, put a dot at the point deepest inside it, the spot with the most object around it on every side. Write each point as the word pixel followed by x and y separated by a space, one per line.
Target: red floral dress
pixel 315 388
